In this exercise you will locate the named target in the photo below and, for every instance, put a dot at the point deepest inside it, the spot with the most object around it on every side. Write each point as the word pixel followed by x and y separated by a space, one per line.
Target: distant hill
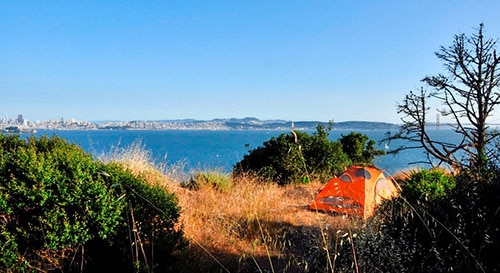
pixel 365 125
pixel 251 123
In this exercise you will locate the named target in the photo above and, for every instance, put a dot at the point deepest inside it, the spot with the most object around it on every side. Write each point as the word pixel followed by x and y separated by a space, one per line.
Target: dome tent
pixel 357 191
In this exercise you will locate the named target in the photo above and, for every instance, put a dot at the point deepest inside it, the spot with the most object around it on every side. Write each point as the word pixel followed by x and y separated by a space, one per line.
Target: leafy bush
pixel 428 185
pixel 57 202
pixel 298 156
pixel 53 201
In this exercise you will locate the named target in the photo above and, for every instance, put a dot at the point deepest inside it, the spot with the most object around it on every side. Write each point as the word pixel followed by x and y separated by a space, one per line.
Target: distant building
pixel 20 119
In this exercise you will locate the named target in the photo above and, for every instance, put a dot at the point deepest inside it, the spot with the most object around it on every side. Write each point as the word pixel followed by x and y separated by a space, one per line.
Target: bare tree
pixel 469 92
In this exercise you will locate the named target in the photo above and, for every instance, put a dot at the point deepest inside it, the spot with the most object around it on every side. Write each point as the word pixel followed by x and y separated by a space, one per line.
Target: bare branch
pixel 469 92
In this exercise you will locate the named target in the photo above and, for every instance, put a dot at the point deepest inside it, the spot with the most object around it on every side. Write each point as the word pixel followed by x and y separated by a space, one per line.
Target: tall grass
pixel 253 221
pixel 140 161
pixel 240 224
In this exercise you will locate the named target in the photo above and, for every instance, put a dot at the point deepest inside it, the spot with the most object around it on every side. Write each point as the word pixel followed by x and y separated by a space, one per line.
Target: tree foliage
pixel 469 93
pixel 299 156
pixel 359 148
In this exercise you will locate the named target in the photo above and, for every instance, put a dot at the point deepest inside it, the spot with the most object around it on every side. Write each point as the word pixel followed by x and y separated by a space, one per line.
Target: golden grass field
pixel 247 226
pixel 253 224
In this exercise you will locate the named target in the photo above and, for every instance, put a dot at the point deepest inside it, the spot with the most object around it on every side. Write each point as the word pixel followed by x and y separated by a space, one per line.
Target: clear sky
pixel 295 60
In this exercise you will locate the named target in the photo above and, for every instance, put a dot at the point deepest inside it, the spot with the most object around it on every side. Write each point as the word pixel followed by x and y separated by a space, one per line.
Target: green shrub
pixel 299 157
pixel 57 202
pixel 216 180
pixel 428 184
pixel 53 199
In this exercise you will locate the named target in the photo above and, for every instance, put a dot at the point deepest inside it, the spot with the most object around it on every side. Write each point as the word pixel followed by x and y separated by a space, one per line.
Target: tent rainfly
pixel 355 192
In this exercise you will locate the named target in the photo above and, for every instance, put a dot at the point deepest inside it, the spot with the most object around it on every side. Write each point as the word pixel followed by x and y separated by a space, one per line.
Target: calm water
pixel 213 150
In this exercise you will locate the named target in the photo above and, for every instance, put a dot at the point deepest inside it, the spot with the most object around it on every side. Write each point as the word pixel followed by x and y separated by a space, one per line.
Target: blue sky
pixel 292 60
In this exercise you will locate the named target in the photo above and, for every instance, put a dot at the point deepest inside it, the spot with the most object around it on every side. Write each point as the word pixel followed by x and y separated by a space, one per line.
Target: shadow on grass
pixel 278 247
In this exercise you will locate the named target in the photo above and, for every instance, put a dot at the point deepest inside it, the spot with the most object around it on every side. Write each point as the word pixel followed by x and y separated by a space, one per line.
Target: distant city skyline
pixel 21 124
pixel 289 60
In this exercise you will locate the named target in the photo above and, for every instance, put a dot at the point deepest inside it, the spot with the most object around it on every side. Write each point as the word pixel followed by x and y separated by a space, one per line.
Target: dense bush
pixel 57 204
pixel 428 185
pixel 457 232
pixel 52 201
pixel 298 156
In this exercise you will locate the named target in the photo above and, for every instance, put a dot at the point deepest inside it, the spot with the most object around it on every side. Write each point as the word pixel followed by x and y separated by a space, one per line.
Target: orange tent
pixel 356 192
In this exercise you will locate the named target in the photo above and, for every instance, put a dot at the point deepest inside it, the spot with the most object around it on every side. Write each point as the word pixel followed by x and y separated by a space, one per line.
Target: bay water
pixel 218 150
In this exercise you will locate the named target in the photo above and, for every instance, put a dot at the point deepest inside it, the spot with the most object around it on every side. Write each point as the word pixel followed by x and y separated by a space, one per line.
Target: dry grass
pixel 251 226
pixel 140 162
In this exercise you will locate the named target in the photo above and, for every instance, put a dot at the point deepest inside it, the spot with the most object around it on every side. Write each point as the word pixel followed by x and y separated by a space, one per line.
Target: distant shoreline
pixel 191 124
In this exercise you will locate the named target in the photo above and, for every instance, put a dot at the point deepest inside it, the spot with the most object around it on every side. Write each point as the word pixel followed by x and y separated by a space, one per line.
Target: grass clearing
pixel 243 224
pixel 253 225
